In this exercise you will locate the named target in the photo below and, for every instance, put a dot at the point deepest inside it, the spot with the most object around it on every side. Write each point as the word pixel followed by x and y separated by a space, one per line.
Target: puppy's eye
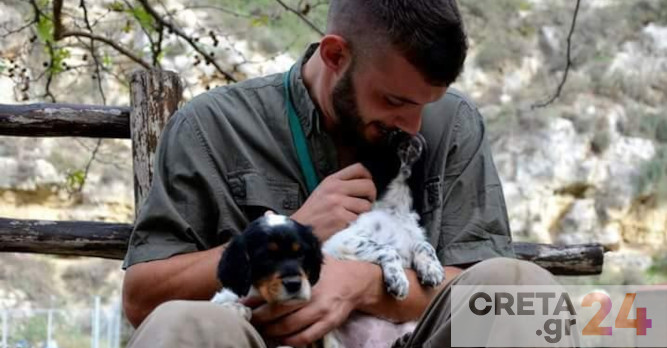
pixel 296 246
pixel 272 246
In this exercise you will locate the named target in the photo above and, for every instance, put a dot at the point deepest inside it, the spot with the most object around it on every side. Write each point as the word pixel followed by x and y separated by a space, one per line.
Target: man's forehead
pixel 395 76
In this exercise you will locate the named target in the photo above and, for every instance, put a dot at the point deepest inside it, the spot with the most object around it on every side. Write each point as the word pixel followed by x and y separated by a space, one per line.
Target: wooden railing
pixel 155 96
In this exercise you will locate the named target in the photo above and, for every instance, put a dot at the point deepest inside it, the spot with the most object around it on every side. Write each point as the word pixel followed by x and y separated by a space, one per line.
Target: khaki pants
pixel 203 324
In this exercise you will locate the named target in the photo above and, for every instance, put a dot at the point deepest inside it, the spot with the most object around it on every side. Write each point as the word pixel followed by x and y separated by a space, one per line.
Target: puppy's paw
pixel 396 282
pixel 431 273
pixel 425 262
pixel 224 296
pixel 239 309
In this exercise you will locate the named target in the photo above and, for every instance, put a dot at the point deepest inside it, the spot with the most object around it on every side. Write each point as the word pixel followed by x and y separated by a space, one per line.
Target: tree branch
pixel 218 8
pixel 303 18
pixel 49 46
pixel 568 62
pixel 17 30
pixel 187 38
pixel 113 44
pixel 93 53
pixel 57 22
pixel 49 78
pixel 156 47
pixel 87 169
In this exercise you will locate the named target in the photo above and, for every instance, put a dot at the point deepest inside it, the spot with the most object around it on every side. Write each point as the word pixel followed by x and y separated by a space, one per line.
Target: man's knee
pixel 182 313
pixel 197 323
pixel 506 271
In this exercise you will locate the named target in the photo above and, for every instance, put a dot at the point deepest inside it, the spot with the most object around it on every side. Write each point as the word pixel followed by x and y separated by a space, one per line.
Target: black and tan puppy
pixel 275 258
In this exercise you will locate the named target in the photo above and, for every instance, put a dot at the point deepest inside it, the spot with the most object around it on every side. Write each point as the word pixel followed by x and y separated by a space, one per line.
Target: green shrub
pixel 661 130
pixel 652 179
pixel 657 273
pixel 645 124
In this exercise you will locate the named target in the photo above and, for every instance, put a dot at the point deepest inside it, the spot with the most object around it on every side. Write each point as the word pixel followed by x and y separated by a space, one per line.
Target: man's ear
pixel 234 267
pixel 335 53
pixel 313 257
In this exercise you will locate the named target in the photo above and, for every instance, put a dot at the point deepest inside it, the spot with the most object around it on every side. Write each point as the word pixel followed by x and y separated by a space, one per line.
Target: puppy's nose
pixel 292 284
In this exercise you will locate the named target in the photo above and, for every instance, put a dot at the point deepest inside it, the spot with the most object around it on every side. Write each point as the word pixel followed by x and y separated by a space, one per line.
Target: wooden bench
pixel 155 96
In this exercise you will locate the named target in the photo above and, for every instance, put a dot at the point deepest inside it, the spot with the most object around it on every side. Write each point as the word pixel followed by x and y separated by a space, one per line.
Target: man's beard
pixel 350 128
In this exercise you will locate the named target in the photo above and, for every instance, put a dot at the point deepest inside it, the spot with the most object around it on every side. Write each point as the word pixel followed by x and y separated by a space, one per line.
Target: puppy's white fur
pixel 390 236
pixel 230 300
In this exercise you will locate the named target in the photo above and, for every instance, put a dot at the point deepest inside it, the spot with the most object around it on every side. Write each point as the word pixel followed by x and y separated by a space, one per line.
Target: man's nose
pixel 410 123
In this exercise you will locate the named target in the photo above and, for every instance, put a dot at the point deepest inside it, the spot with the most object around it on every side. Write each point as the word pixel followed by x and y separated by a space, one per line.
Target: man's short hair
pixel 429 33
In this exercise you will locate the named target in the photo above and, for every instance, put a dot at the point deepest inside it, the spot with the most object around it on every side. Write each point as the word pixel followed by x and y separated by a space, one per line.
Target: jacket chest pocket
pixel 255 195
pixel 431 198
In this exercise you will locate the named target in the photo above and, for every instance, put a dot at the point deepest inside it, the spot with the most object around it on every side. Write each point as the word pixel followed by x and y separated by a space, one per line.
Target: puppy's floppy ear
pixel 234 267
pixel 313 258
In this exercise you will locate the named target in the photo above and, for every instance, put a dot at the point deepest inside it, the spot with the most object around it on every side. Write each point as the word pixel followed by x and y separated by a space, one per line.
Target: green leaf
pixel 2 67
pixel 144 18
pixel 116 6
pixel 45 29
pixel 59 56
pixel 106 60
pixel 260 21
pixel 76 179
pixel 160 56
pixel 525 6
pixel 128 27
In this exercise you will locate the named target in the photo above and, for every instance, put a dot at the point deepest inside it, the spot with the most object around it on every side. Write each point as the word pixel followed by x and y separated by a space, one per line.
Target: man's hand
pixel 333 298
pixel 337 201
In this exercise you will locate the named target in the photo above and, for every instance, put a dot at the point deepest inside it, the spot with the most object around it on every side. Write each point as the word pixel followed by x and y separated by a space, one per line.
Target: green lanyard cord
pixel 299 138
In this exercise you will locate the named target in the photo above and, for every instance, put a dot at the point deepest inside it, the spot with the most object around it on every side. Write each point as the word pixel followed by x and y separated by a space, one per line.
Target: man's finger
pixel 354 171
pixel 357 205
pixel 347 217
pixel 252 302
pixel 294 322
pixel 361 188
pixel 270 312
pixel 310 335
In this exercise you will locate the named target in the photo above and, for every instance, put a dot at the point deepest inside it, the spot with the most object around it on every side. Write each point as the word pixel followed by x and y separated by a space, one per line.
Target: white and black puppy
pixel 389 235
pixel 275 258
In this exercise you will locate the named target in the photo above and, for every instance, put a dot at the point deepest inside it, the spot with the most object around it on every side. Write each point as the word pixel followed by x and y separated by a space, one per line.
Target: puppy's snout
pixel 292 284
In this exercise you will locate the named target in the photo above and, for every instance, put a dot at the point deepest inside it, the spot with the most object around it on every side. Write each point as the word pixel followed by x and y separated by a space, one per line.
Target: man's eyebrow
pixel 403 99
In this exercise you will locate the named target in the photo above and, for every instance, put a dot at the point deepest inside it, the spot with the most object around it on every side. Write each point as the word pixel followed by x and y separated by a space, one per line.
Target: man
pixel 228 156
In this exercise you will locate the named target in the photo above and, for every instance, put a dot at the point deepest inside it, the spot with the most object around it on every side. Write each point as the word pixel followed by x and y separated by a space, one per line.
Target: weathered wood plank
pixel 155 95
pixel 65 120
pixel 77 238
pixel 109 240
pixel 578 259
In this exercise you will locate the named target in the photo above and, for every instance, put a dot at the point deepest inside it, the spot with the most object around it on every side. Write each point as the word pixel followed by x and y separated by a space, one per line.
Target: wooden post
pixel 155 95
